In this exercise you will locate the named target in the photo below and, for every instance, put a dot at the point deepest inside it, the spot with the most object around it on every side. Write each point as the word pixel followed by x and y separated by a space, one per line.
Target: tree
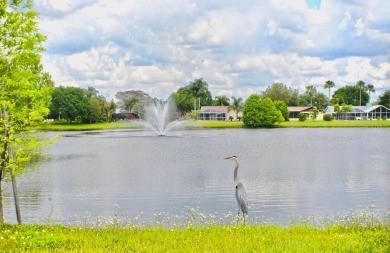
pixel 129 103
pixel 314 113
pixel 329 84
pixel 199 89
pixel 384 99
pixel 370 88
pixel 311 91
pixel 259 112
pixel 350 95
pixel 189 97
pixel 184 100
pixel 279 91
pixel 236 105
pixel 360 84
pixel 337 108
pixel 91 92
pixel 282 107
pixel 108 109
pixel 321 101
pixel 95 106
pixel 24 89
pixel 69 103
pixel 221 100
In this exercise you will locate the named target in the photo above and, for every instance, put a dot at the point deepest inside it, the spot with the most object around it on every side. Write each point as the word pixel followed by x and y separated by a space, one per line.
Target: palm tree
pixel 329 84
pixel 91 92
pixel 360 84
pixel 311 91
pixel 236 105
pixel 129 103
pixel 221 100
pixel 370 88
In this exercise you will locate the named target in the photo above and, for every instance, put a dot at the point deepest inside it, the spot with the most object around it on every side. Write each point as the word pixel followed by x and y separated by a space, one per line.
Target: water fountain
pixel 158 117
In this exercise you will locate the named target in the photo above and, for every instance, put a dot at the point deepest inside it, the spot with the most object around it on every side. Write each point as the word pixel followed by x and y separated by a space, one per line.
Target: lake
pixel 288 174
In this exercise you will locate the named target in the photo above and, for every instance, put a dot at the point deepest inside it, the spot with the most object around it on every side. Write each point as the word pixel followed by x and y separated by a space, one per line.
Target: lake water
pixel 288 173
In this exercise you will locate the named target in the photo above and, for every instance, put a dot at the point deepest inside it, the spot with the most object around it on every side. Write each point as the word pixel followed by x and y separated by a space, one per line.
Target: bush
pixel 231 118
pixel 259 112
pixel 302 116
pixel 328 117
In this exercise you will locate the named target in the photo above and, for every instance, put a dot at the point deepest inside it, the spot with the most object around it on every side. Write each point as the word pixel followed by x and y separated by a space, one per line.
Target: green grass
pixel 266 238
pixel 361 231
pixel 214 124
pixel 55 126
pixel 337 123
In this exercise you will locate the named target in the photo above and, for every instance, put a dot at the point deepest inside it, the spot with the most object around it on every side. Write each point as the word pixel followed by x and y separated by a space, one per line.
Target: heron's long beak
pixel 228 158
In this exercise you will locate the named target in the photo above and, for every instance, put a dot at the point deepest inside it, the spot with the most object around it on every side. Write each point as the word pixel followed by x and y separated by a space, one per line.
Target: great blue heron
pixel 240 190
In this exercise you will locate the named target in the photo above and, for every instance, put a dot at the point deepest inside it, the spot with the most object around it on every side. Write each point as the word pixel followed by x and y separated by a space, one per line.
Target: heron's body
pixel 240 190
pixel 241 199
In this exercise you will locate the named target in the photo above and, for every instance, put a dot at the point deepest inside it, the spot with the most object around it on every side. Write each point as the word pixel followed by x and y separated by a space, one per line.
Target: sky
pixel 237 47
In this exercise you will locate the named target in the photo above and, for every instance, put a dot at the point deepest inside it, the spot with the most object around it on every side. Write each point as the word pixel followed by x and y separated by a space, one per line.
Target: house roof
pixel 358 109
pixel 214 109
pixel 375 107
pixel 299 108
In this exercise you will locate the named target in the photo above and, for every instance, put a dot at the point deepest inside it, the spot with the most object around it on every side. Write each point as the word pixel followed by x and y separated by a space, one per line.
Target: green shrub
pixel 231 118
pixel 259 112
pixel 328 117
pixel 302 116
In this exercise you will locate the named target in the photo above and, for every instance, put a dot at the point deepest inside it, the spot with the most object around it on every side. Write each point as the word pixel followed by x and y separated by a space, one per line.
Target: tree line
pixel 87 106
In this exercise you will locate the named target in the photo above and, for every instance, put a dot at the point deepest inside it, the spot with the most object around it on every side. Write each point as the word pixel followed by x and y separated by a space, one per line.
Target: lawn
pixel 239 238
pixel 213 124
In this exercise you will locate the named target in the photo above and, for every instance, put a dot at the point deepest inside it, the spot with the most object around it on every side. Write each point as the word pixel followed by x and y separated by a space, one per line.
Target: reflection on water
pixel 288 173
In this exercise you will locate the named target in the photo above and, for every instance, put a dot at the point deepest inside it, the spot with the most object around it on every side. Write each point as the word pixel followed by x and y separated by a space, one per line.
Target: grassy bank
pixel 55 126
pixel 215 124
pixel 44 238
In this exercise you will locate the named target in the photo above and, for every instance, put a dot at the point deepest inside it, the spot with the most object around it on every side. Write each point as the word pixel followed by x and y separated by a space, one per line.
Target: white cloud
pixel 237 47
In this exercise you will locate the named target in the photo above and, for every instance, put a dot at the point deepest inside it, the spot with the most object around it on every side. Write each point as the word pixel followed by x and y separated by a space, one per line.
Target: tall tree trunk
pixel 1 199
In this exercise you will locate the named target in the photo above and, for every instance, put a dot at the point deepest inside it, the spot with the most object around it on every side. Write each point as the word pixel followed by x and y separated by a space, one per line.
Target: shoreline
pixel 199 124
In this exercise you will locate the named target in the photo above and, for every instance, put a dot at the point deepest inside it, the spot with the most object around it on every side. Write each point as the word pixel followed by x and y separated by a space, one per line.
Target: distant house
pixel 123 116
pixel 361 112
pixel 295 110
pixel 216 113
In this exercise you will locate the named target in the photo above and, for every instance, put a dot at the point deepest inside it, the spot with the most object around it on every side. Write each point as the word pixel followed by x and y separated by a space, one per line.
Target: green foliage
pixel 335 237
pixel 280 92
pixel 328 85
pixel 384 99
pixel 259 112
pixel 337 108
pixel 24 88
pixel 129 103
pixel 231 118
pixel 302 116
pixel 350 95
pixel 311 91
pixel 184 100
pixel 94 111
pixel 327 117
pixel 192 115
pixel 236 105
pixel 69 103
pixel 190 96
pixel 282 107
pixel 314 113
pixel 221 100
pixel 346 108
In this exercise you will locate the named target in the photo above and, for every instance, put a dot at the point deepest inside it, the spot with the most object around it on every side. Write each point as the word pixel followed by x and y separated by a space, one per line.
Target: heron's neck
pixel 235 172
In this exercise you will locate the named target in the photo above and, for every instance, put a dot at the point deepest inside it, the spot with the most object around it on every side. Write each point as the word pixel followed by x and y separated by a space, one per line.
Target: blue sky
pixel 238 47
